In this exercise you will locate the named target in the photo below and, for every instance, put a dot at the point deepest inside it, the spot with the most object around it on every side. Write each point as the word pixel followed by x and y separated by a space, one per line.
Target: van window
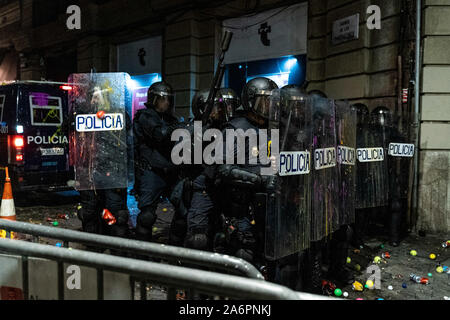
pixel 45 110
pixel 2 103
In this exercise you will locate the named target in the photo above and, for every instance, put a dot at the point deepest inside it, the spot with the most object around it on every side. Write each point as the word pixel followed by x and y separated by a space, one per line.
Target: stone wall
pixel 434 183
pixel 362 70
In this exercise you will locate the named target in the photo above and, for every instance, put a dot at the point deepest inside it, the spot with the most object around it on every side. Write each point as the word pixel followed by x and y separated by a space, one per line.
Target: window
pixel 45 110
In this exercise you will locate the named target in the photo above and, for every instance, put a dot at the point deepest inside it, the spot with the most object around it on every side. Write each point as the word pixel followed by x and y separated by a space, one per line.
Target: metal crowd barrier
pixel 206 282
pixel 173 254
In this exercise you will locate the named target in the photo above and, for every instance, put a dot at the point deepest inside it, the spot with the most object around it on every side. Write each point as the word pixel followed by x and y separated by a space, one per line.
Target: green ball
pixel 55 223
pixel 430 275
pixel 382 246
pixel 338 292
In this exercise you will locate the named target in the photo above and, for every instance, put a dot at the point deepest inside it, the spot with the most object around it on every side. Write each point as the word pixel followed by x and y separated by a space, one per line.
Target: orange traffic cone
pixel 7 211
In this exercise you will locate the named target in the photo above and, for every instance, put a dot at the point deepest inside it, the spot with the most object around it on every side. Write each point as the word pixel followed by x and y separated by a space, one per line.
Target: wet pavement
pixel 60 211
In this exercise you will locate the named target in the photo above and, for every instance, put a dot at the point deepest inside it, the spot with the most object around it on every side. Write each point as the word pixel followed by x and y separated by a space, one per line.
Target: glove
pixel 270 183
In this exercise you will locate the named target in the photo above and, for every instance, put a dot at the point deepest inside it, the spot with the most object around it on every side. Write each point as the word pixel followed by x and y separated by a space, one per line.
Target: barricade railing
pixel 173 254
pixel 171 276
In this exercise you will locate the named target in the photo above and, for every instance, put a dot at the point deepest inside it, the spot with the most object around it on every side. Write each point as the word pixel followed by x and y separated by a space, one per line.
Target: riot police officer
pixel 201 216
pixel 155 174
pixel 242 225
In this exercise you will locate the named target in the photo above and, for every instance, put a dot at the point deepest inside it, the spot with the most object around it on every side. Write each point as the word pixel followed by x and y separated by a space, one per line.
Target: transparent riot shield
pixel 346 160
pixel 288 219
pixel 400 156
pixel 401 151
pixel 372 171
pixel 98 104
pixel 325 199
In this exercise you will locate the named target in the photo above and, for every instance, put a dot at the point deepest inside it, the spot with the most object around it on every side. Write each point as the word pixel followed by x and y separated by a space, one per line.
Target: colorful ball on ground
pixel 413 252
pixel 432 256
pixel 338 292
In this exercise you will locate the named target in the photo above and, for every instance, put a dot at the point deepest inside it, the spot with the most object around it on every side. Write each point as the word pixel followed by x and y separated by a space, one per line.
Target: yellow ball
pixel 432 256
pixel 413 252
pixel 439 269
pixel 349 260
pixel 369 284
pixel 358 267
pixel 165 210
pixel 377 259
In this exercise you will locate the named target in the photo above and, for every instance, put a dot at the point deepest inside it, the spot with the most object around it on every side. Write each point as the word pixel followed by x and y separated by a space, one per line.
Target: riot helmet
pixel 362 113
pixel 381 116
pixel 161 98
pixel 231 101
pixel 220 112
pixel 321 104
pixel 256 96
pixel 293 101
pixel 199 103
pixel 317 93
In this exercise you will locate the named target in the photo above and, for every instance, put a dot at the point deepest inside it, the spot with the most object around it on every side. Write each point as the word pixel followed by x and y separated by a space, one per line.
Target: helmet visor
pixel 265 105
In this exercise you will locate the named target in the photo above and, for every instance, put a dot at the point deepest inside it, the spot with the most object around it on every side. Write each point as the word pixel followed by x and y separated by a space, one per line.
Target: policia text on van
pixel 34 141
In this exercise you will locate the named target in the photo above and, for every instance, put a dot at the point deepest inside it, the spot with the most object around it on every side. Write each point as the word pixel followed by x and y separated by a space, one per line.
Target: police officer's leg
pixel 243 240
pixel 395 221
pixel 88 213
pixel 151 188
pixel 288 272
pixel 178 226
pixel 116 203
pixel 314 274
pixel 339 253
pixel 199 217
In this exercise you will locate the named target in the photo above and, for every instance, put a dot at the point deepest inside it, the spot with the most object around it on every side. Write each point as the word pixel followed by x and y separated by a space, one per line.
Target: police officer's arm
pixel 155 129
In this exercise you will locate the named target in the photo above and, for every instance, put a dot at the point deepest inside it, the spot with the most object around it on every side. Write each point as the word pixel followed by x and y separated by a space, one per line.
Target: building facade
pixel 181 39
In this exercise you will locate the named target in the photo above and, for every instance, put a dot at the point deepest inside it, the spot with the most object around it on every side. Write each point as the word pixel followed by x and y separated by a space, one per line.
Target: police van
pixel 34 137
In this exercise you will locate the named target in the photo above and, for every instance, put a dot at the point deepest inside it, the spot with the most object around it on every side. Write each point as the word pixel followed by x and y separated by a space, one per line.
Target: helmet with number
pixel 381 116
pixel 256 96
pixel 160 90
pixel 362 113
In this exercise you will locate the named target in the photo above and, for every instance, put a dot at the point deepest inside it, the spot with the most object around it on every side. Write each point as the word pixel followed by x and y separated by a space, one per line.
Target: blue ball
pixel 404 285
pixel 59 244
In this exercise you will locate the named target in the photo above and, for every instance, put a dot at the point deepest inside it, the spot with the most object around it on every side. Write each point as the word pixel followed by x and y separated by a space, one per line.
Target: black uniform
pixel 155 174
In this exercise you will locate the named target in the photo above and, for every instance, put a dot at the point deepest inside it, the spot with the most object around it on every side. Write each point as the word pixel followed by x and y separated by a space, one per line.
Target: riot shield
pixel 98 104
pixel 372 187
pixel 288 219
pixel 346 161
pixel 325 200
pixel 401 151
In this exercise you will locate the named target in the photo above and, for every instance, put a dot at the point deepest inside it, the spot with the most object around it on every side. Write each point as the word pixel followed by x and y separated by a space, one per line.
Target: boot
pixel 338 270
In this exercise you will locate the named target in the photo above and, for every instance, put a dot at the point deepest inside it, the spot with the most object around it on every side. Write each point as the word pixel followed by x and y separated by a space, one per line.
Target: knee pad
pixel 147 217
pixel 198 241
pixel 245 254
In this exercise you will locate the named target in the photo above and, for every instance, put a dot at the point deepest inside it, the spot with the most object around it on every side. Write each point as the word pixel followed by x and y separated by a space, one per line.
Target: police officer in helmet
pixel 201 216
pixel 242 229
pixel 155 174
